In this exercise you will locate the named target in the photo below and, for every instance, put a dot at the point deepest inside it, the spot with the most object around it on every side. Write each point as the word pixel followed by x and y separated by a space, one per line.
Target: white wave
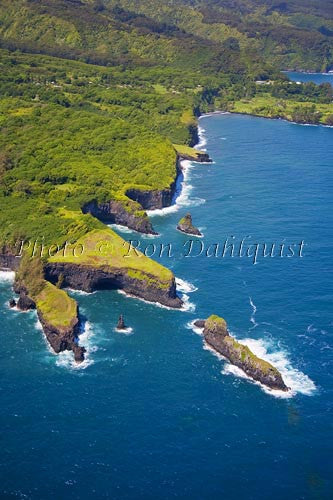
pixel 7 276
pixel 39 327
pixel 184 199
pixel 191 326
pixel 66 359
pixel 125 331
pixel 298 382
pixel 79 292
pixel 157 304
pixel 122 229
pixel 187 305
pixel 311 328
pixel 185 286
pixel 150 236
pixel 253 315
pixel 202 139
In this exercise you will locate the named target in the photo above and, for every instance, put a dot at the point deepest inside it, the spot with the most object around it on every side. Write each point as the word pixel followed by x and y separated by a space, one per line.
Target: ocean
pixel 154 414
pixel 311 77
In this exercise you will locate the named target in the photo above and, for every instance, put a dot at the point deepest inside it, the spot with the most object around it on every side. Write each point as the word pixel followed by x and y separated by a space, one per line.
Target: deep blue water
pixel 311 77
pixel 153 416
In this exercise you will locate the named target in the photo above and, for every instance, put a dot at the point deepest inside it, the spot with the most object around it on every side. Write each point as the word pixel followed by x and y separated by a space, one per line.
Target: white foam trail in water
pixel 7 276
pixel 253 315
pixel 122 229
pixel 184 199
pixel 185 286
pixel 202 140
pixel 157 304
pixel 79 292
pixel 124 331
pixel 187 306
pixel 195 329
pixel 66 359
pixel 298 382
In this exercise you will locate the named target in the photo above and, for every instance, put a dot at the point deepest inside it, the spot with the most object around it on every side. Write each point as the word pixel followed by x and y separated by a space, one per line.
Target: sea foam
pixel 298 382
pixel 184 199
pixel 185 286
pixel 66 359
pixel 7 276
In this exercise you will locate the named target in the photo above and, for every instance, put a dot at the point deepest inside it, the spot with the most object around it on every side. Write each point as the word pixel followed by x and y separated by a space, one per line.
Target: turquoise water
pixel 154 414
pixel 311 77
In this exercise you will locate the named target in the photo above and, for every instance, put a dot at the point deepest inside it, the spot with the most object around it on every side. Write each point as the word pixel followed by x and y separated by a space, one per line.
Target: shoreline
pixel 306 124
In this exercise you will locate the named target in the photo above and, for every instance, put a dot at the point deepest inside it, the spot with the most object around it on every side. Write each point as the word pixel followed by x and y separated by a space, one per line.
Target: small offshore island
pixel 185 225
pixel 217 336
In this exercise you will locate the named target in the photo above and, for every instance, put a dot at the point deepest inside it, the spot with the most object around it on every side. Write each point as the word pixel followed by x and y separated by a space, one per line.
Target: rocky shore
pixel 62 336
pixel 90 278
pixel 217 336
pixel 131 212
pixel 115 212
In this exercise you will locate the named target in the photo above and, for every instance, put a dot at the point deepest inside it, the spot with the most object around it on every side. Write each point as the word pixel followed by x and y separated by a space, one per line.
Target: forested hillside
pixel 293 34
pixel 186 33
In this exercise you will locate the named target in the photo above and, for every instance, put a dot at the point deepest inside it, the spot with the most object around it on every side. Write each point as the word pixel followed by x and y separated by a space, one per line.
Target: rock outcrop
pixel 25 303
pixel 114 212
pixel 217 336
pixel 121 323
pixel 186 226
pixel 62 334
pixel 8 260
pixel 12 303
pixel 200 323
pixel 200 157
pixel 63 338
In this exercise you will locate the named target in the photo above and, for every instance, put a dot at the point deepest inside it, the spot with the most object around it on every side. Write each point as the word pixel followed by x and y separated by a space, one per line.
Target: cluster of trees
pixel 306 92
pixel 306 114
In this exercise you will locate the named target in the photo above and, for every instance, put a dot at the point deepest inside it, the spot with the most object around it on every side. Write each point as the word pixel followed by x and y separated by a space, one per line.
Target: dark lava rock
pixel 12 303
pixel 79 352
pixel 121 323
pixel 25 303
pixel 185 225
pixel 217 336
pixel 200 323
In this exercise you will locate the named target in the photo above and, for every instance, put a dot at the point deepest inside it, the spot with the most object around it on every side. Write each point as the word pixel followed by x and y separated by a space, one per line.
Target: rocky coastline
pixel 89 279
pixel 128 213
pixel 216 335
pixel 114 212
pixel 61 338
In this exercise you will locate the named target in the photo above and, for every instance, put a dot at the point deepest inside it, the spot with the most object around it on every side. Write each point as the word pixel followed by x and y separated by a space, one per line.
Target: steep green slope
pixel 102 34
pixel 293 34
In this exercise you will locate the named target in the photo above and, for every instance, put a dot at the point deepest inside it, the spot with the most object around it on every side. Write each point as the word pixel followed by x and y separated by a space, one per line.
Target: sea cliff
pixel 103 262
